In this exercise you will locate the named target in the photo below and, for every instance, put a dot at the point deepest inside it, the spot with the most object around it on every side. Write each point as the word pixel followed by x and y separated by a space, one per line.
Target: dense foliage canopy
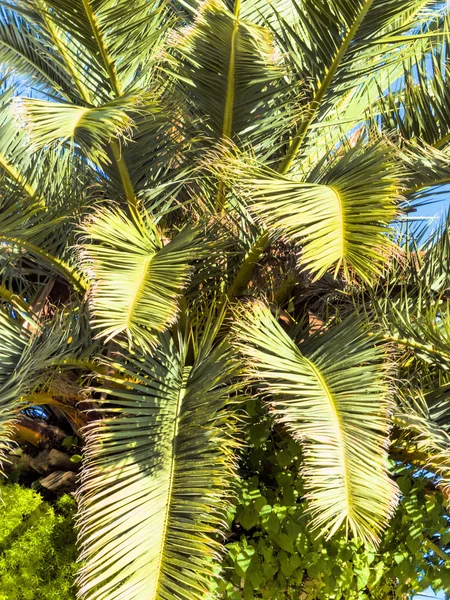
pixel 205 205
pixel 37 546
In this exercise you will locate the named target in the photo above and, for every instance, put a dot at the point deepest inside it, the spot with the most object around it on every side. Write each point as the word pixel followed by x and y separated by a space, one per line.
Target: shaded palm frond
pixel 24 49
pixel 426 437
pixel 13 339
pixel 417 108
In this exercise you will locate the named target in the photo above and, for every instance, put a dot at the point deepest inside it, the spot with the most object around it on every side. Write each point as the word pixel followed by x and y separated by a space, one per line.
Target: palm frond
pixel 31 230
pixel 417 317
pixel 13 339
pixel 418 109
pixel 116 39
pixel 24 48
pixel 159 467
pixel 90 128
pixel 231 87
pixel 340 46
pixel 428 438
pixel 426 168
pixel 137 278
pixel 339 213
pixel 332 394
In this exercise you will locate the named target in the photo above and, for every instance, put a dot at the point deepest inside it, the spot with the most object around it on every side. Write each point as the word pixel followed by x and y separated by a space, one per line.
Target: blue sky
pixel 429 594
pixel 436 210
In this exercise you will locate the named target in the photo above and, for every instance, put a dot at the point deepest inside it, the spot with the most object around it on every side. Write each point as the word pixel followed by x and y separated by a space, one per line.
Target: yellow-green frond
pixel 332 394
pixel 159 469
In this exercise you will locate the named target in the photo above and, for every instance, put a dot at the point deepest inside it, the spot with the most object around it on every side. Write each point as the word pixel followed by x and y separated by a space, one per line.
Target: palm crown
pixel 160 160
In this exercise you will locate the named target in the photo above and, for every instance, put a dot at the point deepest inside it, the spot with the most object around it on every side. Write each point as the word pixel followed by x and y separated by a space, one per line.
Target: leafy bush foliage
pixel 37 546
pixel 276 556
pixel 272 552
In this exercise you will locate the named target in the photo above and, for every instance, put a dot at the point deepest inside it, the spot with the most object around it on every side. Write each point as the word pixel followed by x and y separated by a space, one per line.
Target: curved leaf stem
pixel 128 186
pixel 323 88
pixel 246 269
pixel 14 299
pixel 57 265
pixel 108 63
pixel 227 129
pixel 417 188
pixel 20 179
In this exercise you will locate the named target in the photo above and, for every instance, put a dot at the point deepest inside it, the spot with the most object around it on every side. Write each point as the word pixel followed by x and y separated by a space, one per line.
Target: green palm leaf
pixel 137 280
pixel 339 213
pixel 332 393
pixel 116 40
pixel 159 467
pixel 232 86
pixel 419 109
pixel 13 339
pixel 90 128
pixel 23 45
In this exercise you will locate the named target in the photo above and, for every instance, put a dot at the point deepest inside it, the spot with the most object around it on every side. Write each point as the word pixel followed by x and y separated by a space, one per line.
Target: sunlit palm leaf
pixel 159 467
pixel 114 39
pixel 333 395
pixel 91 128
pixel 339 215
pixel 137 279
pixel 234 85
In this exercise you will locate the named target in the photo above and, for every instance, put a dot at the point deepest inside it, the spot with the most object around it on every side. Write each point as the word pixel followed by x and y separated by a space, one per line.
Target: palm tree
pixel 199 202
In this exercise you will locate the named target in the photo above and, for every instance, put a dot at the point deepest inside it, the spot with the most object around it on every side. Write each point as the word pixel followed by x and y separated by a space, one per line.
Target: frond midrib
pixel 341 218
pixel 339 429
pixel 116 85
pixel 139 290
pixel 14 173
pixel 180 397
pixel 227 128
pixel 108 63
pixel 57 264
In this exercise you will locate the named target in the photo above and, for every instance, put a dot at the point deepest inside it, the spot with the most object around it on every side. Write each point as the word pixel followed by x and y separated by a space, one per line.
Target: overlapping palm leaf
pixel 332 393
pixel 33 354
pixel 23 44
pixel 137 276
pixel 159 467
pixel 294 85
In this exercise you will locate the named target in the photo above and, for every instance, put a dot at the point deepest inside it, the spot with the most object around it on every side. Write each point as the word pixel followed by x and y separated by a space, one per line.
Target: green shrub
pixel 37 546
pixel 274 555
